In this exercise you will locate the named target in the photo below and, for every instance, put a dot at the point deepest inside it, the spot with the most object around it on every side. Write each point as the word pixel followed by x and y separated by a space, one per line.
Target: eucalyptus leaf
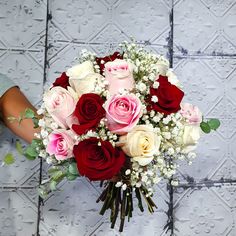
pixel 30 153
pixel 71 177
pixel 19 147
pixel 29 113
pixel 53 185
pixel 43 193
pixel 9 159
pixel 53 170
pixel 73 169
pixel 213 123
pixel 36 122
pixel 58 176
pixel 205 127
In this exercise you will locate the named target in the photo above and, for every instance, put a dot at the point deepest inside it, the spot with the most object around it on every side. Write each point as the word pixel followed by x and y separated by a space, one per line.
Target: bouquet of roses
pixel 120 120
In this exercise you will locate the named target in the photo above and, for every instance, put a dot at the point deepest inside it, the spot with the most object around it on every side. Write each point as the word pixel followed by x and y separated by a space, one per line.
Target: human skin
pixel 12 103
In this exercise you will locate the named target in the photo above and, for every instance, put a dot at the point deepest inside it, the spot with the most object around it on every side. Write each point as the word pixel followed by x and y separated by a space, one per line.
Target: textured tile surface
pixel 205 211
pixel 204 58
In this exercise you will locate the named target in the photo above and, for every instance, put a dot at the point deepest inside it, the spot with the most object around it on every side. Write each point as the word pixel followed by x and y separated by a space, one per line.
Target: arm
pixel 12 103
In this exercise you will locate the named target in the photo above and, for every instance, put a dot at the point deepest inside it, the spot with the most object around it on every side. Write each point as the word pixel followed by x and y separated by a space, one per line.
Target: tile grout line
pixel 40 200
pixel 170 220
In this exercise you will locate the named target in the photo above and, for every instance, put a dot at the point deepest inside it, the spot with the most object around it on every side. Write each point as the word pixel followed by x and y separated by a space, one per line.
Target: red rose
pixel 98 162
pixel 169 97
pixel 89 112
pixel 62 81
pixel 101 61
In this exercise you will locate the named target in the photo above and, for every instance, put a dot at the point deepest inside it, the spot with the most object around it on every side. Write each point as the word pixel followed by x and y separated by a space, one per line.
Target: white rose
pixel 142 143
pixel 82 77
pixel 190 137
pixel 163 66
pixel 172 78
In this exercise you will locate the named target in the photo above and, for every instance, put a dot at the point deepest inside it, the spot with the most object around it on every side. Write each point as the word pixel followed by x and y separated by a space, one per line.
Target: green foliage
pixel 19 147
pixel 205 127
pixel 29 114
pixel 208 126
pixel 72 168
pixel 30 153
pixel 214 124
pixel 9 159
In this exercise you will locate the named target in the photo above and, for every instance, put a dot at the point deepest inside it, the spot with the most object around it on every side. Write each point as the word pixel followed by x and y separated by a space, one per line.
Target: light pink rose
pixel 119 75
pixel 60 104
pixel 61 143
pixel 122 113
pixel 192 113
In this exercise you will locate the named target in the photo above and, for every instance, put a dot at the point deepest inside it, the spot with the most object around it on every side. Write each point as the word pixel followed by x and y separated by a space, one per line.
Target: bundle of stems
pixel 121 201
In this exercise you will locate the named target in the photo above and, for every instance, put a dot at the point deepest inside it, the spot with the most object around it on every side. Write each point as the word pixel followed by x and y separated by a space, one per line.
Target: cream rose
pixel 163 66
pixel 142 143
pixel 82 77
pixel 172 78
pixel 191 135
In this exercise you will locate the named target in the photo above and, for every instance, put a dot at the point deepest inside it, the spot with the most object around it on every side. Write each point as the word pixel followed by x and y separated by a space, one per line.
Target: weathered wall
pixel 40 39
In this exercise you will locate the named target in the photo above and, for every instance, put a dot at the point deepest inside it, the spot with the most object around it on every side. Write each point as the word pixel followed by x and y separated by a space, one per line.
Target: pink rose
pixel 119 75
pixel 60 144
pixel 60 104
pixel 192 113
pixel 122 113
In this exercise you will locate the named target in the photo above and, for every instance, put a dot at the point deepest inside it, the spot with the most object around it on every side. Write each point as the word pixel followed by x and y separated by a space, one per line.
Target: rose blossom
pixel 62 81
pixel 141 143
pixel 89 111
pixel 122 113
pixel 192 113
pixel 61 144
pixel 60 104
pixel 102 60
pixel 98 162
pixel 163 66
pixel 172 78
pixel 82 77
pixel 168 95
pixel 191 135
pixel 119 75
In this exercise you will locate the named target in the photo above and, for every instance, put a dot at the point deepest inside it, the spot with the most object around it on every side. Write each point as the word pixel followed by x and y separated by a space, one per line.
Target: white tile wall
pixel 204 58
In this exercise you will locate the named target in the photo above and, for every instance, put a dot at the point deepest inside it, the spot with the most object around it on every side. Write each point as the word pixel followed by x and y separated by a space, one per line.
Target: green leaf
pixel 30 153
pixel 53 170
pixel 9 159
pixel 37 143
pixel 205 127
pixel 36 122
pixel 29 113
pixel 19 147
pixel 53 185
pixel 71 177
pixel 214 123
pixel 73 169
pixel 58 176
pixel 42 191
